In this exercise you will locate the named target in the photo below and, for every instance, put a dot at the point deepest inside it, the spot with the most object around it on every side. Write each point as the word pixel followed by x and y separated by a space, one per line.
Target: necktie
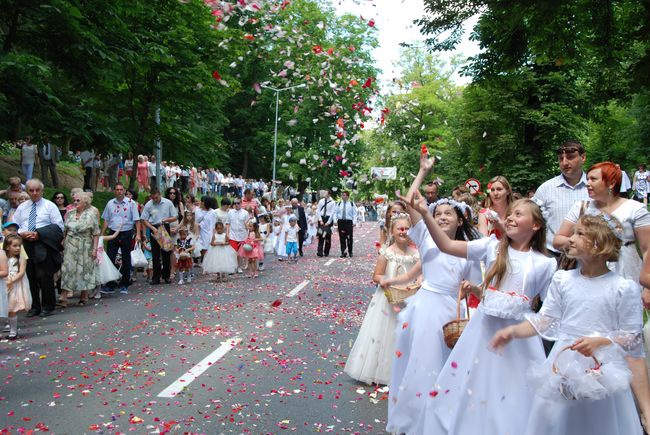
pixel 31 225
pixel 345 204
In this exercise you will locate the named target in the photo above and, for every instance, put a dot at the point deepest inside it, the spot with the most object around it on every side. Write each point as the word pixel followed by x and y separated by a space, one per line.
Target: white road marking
pixel 179 384
pixel 298 288
pixel 330 261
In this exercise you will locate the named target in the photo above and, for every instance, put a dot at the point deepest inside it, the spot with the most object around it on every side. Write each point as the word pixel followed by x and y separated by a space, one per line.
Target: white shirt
pixel 238 219
pixel 291 233
pixel 121 216
pixel 87 158
pixel 47 213
pixel 152 169
pixel 350 211
pixel 326 207
pixel 556 197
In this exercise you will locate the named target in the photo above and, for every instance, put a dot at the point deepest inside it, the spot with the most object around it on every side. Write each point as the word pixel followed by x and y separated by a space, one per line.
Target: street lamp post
pixel 275 133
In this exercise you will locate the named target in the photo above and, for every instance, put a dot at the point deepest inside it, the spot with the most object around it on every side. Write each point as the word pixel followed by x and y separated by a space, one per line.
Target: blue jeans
pixel 28 169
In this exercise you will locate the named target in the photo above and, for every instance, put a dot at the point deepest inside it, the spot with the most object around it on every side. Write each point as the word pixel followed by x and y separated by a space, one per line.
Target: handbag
pixel 137 257
pixel 164 240
pixel 565 262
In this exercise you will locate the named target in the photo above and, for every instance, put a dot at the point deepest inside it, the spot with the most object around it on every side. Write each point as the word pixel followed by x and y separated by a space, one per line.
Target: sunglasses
pixel 58 197
pixel 77 200
pixel 172 193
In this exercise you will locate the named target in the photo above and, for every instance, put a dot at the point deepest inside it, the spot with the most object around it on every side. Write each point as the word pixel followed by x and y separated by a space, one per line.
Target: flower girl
pixel 371 357
pixel 476 381
pixel 221 258
pixel 595 317
pixel 19 297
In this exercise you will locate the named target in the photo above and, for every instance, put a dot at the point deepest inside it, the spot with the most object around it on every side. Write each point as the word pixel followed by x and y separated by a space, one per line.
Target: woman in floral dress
pixel 80 270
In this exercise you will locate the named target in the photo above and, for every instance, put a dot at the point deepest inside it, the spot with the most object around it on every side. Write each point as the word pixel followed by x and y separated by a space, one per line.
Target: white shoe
pixel 261 268
pixel 189 279
pixel 98 295
pixel 239 270
pixel 180 282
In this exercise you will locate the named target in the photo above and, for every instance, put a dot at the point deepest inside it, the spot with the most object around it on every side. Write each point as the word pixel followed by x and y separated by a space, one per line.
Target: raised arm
pixel 426 164
pixel 457 248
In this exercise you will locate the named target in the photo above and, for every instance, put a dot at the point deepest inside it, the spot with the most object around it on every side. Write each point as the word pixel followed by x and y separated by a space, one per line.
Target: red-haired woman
pixel 603 185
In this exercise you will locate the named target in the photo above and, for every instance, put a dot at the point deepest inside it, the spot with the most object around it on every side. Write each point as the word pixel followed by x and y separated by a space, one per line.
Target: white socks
pixel 13 325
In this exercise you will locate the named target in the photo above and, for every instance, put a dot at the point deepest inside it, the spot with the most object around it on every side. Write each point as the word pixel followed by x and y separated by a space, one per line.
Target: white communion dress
pixel 371 357
pixel 580 396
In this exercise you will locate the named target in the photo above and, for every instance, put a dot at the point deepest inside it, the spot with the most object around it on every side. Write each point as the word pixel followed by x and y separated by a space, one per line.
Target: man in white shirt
pixel 346 216
pixel 237 233
pixel 325 210
pixel 87 161
pixel 557 195
pixel 157 213
pixel 41 227
pixel 152 172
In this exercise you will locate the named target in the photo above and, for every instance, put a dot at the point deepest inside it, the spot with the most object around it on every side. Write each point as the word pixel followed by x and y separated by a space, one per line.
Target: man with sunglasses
pixel 557 195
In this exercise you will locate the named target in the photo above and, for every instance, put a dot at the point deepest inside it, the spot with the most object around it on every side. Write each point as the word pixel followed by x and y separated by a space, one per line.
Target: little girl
pixel 371 357
pixel 265 232
pixel 19 296
pixel 594 315
pixel 252 248
pixel 278 239
pixel 183 249
pixel 146 249
pixel 312 224
pixel 221 258
pixel 475 381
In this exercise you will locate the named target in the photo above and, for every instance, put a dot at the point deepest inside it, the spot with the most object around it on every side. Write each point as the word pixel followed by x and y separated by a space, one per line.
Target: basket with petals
pixel 396 294
pixel 452 330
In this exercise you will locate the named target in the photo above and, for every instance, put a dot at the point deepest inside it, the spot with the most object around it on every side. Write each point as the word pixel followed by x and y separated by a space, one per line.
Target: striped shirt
pixel 556 197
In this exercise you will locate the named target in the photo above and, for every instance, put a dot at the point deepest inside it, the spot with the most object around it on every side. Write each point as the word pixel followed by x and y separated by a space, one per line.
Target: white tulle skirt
pixel 480 391
pixel 419 338
pixel 4 303
pixel 220 259
pixel 107 270
pixel 371 357
pixel 604 402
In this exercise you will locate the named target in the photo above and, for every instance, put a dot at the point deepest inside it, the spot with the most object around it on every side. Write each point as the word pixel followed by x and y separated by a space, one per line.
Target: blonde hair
pixel 601 236
pixel 506 185
pixel 399 217
pixel 499 268
pixel 85 198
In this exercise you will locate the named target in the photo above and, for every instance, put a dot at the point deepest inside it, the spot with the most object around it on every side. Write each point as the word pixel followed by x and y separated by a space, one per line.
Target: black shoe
pixel 155 283
pixel 47 313
pixel 326 255
pixel 350 254
pixel 168 281
pixel 33 312
pixel 300 253
pixel 343 255
pixel 318 254
pixel 12 337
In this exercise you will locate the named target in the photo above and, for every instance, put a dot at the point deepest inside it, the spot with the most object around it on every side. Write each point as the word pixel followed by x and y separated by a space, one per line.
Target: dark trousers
pixel 123 243
pixel 88 177
pixel 345 235
pixel 157 255
pixel 51 166
pixel 152 181
pixel 324 238
pixel 301 240
pixel 41 284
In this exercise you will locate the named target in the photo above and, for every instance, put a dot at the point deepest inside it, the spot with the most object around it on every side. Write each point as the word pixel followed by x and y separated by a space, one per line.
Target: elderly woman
pixel 79 270
pixel 603 184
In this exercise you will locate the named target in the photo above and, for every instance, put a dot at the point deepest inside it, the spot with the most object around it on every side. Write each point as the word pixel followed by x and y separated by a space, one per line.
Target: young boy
pixel 292 238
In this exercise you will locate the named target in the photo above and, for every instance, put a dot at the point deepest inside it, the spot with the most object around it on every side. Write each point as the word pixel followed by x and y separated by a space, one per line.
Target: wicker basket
pixel 452 330
pixel 396 294
pixel 563 390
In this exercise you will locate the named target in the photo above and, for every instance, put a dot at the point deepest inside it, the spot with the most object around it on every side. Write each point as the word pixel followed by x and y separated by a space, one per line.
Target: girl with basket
pixel 595 316
pixel 419 334
pixel 371 357
pixel 476 381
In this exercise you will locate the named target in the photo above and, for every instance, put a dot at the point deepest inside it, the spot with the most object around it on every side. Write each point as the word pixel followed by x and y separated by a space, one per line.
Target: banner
pixel 377 173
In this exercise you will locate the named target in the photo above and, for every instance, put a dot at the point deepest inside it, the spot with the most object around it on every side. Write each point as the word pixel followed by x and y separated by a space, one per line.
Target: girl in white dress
pixel 107 272
pixel 592 313
pixel 275 234
pixel 4 272
pixel 371 357
pixel 419 338
pixel 476 386
pixel 281 240
pixel 312 224
pixel 221 258
pixel 18 296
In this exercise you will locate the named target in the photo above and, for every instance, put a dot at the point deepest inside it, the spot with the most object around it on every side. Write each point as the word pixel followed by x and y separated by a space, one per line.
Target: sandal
pixel 82 302
pixel 62 304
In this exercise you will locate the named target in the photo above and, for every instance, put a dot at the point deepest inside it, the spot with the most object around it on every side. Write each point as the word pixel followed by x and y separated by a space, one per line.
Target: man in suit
pixel 325 213
pixel 299 212
pixel 47 154
pixel 346 216
pixel 41 227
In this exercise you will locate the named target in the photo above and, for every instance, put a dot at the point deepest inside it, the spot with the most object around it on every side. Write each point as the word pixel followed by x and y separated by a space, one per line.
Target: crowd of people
pixel 69 248
pixel 515 316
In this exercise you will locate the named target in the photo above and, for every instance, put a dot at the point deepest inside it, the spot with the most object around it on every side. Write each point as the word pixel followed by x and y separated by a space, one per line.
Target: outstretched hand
pixel 426 162
pixel 414 201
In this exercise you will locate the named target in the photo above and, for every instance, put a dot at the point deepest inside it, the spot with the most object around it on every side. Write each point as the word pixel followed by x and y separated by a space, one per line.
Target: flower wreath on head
pixel 460 206
pixel 611 221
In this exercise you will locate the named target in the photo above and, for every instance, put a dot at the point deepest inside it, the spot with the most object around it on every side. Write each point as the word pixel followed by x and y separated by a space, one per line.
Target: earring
pixel 609 191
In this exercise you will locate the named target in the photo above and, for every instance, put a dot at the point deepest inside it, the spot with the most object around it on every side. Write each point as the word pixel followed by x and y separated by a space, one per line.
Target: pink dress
pixel 258 249
pixel 143 173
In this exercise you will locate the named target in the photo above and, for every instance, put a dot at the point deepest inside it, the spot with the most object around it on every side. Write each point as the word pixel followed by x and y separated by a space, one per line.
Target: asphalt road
pixel 258 355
